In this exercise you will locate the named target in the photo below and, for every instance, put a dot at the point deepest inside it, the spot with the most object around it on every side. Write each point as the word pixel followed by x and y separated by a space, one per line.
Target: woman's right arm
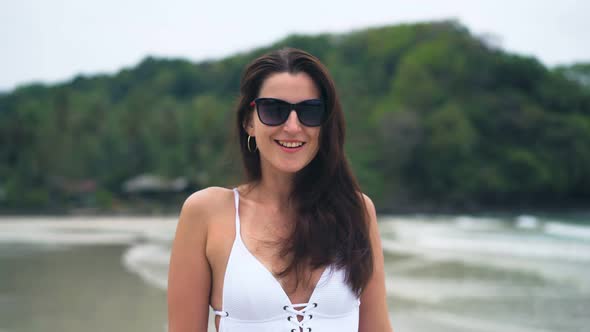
pixel 189 275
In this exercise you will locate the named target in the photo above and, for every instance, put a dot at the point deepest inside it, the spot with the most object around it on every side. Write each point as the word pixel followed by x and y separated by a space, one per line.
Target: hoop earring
pixel 248 144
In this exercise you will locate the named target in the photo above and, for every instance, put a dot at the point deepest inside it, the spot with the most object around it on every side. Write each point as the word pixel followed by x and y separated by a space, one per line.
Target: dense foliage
pixel 436 118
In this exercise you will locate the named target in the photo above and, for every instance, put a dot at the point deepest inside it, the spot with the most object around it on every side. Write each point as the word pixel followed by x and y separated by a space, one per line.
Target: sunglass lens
pixel 311 112
pixel 272 112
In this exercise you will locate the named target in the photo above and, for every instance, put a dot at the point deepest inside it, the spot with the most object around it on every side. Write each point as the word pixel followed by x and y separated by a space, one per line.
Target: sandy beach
pixel 446 274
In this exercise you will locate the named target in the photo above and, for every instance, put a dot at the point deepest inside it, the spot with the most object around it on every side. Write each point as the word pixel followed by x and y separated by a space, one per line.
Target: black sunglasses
pixel 274 112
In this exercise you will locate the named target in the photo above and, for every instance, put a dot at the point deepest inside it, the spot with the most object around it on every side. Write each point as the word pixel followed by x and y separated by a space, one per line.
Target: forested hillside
pixel 436 118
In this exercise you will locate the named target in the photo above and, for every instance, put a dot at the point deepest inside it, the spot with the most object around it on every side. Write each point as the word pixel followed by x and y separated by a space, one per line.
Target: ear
pixel 248 124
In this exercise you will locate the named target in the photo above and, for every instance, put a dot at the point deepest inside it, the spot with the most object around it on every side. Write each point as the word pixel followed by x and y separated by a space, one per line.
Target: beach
pixel 519 273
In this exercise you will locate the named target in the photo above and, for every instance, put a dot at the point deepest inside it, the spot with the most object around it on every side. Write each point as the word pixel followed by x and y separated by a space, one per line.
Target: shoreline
pixel 424 210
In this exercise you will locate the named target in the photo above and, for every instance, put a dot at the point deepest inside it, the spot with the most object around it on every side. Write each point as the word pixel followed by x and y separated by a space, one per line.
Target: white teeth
pixel 290 144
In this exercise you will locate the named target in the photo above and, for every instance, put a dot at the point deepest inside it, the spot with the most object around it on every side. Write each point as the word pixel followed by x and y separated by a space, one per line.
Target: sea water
pixel 513 273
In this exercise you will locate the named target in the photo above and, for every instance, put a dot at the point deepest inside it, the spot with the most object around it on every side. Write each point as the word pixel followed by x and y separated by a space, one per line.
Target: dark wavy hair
pixel 331 225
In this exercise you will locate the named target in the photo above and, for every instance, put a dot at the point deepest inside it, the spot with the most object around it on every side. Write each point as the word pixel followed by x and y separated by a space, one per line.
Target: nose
pixel 292 124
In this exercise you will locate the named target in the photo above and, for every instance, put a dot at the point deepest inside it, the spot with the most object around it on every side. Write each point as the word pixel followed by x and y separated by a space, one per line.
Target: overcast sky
pixel 53 40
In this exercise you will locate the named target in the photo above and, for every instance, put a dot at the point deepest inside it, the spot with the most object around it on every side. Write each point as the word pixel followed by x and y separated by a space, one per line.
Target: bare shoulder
pixel 189 274
pixel 198 215
pixel 369 208
pixel 205 202
pixel 368 202
pixel 201 209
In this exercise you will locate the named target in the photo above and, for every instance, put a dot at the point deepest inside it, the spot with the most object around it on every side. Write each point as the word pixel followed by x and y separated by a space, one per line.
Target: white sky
pixel 54 40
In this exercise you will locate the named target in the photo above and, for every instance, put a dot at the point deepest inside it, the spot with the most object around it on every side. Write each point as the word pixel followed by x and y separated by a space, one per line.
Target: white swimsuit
pixel 254 301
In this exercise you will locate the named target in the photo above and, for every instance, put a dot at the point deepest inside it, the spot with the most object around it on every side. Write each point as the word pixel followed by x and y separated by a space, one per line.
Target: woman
pixel 297 247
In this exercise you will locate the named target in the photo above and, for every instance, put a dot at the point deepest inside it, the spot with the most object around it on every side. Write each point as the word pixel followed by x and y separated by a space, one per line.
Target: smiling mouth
pixel 290 145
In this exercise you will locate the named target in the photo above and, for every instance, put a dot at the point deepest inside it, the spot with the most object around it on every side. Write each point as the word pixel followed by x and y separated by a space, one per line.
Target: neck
pixel 274 187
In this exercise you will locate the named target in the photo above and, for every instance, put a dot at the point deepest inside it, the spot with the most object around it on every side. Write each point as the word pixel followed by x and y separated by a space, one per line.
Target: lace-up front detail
pixel 254 301
pixel 305 313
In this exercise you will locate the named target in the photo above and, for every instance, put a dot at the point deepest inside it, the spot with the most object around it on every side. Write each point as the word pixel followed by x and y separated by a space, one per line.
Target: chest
pixel 262 244
pixel 252 295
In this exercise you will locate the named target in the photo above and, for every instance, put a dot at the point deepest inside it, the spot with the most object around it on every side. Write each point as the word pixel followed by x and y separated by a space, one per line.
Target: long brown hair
pixel 331 225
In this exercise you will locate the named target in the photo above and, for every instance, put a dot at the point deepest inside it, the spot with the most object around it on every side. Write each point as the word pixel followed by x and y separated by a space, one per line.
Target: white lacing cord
pixel 221 313
pixel 305 312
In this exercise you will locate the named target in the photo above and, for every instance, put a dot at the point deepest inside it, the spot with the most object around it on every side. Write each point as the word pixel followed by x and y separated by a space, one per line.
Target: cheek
pixel 316 138
pixel 264 136
pixel 317 134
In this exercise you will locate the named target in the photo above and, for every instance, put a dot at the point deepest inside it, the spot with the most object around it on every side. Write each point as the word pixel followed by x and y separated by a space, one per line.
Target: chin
pixel 290 167
pixel 286 165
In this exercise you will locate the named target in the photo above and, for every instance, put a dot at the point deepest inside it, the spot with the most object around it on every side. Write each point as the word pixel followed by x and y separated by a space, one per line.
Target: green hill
pixel 436 119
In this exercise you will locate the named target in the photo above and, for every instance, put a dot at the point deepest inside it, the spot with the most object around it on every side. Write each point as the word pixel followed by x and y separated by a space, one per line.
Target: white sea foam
pixel 436 290
pixel 572 273
pixel 525 248
pixel 50 237
pixel 150 262
pixel 444 237
pixel 86 230
pixel 558 260
pixel 568 230
pixel 527 222
pixel 477 223
pixel 149 239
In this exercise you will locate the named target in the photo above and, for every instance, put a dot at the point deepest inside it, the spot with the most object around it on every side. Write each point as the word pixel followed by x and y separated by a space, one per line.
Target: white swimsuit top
pixel 254 301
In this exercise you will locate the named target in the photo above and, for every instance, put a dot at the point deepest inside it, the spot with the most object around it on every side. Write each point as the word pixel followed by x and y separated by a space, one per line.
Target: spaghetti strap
pixel 237 204
pixel 254 300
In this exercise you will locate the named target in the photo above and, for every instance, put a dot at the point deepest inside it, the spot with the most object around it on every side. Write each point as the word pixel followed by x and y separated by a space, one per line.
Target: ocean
pixel 509 273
